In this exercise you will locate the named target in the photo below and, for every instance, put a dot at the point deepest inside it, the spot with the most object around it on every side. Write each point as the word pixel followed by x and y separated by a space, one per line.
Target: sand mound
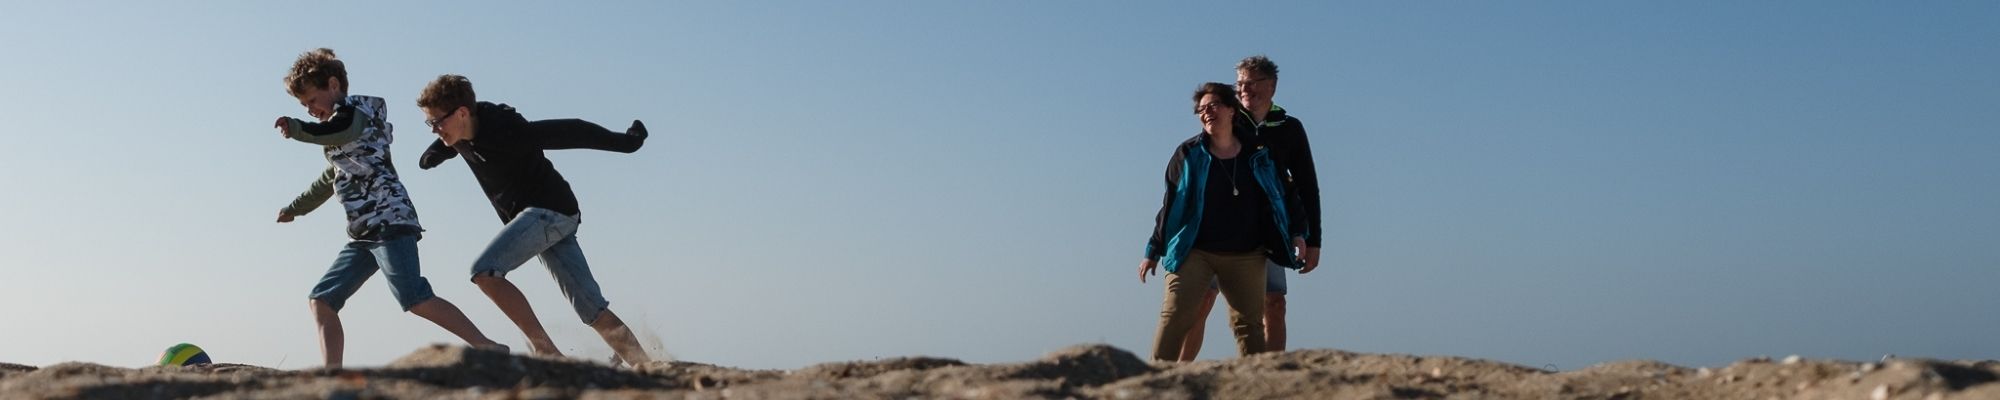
pixel 865 369
pixel 1089 371
pixel 464 367
pixel 9 369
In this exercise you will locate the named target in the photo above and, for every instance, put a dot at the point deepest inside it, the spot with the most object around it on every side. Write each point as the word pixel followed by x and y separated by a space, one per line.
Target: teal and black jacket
pixel 1179 220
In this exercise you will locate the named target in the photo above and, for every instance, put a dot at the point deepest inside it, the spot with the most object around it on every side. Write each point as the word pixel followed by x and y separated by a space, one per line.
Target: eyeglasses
pixel 440 119
pixel 1243 83
pixel 1210 106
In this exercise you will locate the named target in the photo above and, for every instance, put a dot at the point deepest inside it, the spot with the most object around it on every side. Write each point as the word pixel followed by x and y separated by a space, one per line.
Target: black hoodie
pixel 505 154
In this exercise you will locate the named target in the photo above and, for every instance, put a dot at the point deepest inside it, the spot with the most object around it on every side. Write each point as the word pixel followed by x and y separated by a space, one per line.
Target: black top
pixel 505 154
pixel 1235 216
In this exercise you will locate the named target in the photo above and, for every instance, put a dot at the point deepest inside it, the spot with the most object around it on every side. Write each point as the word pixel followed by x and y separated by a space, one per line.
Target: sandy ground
pixel 1089 371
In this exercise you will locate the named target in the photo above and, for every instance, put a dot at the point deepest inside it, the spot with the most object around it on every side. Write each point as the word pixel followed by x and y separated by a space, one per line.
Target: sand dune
pixel 1090 371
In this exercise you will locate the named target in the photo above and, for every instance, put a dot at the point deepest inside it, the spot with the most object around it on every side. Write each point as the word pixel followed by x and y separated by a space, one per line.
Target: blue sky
pixel 1551 184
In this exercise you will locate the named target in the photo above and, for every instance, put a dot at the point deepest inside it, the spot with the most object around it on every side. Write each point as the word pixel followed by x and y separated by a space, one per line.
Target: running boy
pixel 354 134
pixel 504 151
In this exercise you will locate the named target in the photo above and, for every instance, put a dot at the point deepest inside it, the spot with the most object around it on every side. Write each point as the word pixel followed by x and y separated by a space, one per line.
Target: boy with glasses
pixel 504 151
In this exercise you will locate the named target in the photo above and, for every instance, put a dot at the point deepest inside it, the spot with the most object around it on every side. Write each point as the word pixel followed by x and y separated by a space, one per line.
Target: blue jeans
pixel 550 235
pixel 1274 278
pixel 394 253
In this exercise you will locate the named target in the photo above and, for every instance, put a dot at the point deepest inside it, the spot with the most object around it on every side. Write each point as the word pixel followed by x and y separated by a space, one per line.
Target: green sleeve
pixel 345 126
pixel 315 195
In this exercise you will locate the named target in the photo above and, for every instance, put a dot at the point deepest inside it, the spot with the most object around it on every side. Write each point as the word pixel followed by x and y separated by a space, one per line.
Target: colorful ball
pixel 184 354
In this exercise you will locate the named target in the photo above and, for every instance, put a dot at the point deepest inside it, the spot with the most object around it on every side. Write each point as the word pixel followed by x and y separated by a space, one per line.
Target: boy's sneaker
pixel 637 129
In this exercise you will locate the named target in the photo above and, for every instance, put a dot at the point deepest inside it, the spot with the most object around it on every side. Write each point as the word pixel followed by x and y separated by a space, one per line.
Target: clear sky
pixel 1546 183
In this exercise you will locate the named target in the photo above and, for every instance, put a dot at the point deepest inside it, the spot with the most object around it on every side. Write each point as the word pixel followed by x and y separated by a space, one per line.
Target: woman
pixel 1225 212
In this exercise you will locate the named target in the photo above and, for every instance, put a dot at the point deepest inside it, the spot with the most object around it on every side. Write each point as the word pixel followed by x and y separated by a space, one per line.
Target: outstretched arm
pixel 315 195
pixel 344 127
pixel 438 153
pixel 559 134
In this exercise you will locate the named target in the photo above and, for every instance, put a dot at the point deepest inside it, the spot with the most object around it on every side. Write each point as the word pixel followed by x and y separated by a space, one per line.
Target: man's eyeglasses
pixel 1244 83
pixel 440 119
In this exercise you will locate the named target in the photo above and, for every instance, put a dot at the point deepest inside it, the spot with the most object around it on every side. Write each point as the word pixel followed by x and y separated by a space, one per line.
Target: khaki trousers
pixel 1241 279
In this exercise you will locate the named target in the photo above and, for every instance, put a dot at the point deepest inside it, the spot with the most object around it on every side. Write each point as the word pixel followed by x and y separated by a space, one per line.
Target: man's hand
pixel 284 216
pixel 1300 250
pixel 1312 260
pixel 282 121
pixel 1146 267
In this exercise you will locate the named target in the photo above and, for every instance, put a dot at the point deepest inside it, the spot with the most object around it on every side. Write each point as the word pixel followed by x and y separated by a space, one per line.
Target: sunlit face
pixel 1213 111
pixel 319 100
pixel 452 125
pixel 1254 89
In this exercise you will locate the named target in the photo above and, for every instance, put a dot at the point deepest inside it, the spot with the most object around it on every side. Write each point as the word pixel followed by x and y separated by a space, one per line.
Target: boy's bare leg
pixel 515 305
pixel 330 333
pixel 620 338
pixel 447 316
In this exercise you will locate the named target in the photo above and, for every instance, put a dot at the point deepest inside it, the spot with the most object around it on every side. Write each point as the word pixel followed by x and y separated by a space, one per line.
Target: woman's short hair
pixel 1223 91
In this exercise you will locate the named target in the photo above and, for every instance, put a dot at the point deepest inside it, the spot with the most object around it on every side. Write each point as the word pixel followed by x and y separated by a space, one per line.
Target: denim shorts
pixel 551 236
pixel 1274 279
pixel 394 252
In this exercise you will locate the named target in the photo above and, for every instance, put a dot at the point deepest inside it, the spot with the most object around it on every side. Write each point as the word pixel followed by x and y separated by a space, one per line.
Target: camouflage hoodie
pixel 356 142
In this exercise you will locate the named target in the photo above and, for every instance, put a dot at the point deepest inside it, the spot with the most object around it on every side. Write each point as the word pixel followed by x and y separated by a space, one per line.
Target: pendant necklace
pixel 1232 178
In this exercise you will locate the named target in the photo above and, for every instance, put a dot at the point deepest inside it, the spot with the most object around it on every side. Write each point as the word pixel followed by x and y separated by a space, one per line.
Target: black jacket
pixel 505 154
pixel 1293 153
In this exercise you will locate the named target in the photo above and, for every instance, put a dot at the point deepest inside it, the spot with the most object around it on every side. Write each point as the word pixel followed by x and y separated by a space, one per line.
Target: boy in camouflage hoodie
pixel 354 133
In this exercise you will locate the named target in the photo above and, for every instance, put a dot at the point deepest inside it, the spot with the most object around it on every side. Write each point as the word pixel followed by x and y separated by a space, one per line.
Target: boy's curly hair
pixel 314 69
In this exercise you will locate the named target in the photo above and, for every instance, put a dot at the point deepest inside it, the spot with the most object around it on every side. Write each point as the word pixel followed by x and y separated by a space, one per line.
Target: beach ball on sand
pixel 184 354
